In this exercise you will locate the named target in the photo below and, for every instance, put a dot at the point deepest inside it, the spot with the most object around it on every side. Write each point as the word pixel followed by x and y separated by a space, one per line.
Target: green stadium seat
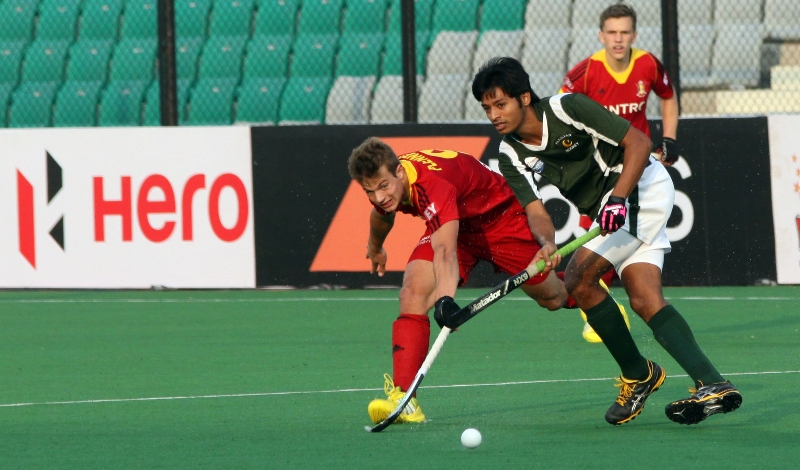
pixel 121 103
pixel 100 19
pixel 211 102
pixel 258 99
pixel 191 18
pixel 187 51
pixel 222 57
pixel 393 58
pixel 365 16
pixel 231 18
pixel 32 104
pixel 313 55
pixel 11 54
pixel 5 97
pixel 88 59
pixel 44 61
pixel 276 17
pixel 76 104
pixel 140 19
pixel 268 56
pixel 303 100
pixel 455 15
pixel 57 19
pixel 503 15
pixel 359 54
pixel 320 17
pixel 423 14
pixel 16 19
pixel 152 109
pixel 133 59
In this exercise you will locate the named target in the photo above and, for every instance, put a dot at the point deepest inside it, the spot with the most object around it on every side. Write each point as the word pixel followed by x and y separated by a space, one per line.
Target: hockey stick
pixel 477 306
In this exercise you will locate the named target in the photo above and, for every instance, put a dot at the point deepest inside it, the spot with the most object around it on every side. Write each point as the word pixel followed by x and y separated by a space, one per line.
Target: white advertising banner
pixel 126 208
pixel 784 150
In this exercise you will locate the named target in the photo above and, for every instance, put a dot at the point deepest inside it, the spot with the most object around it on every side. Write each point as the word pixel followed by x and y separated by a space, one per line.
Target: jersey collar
pixel 411 174
pixel 545 135
pixel 619 77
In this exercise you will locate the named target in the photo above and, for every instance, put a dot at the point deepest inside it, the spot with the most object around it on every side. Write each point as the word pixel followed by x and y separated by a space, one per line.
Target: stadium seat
pixel 496 44
pixel 451 53
pixel 455 15
pixel 100 19
pixel 584 44
pixel 44 61
pixel 88 60
pixel 76 104
pixel 737 55
pixel 57 19
pixel 442 98
pixel 16 19
pixel 258 100
pixel 5 98
pixel 133 59
pixel 211 102
pixel 546 83
pixel 359 54
pixel 349 100
pixel 365 16
pixel 650 39
pixel 11 53
pixel 191 18
pixel 556 14
pixel 503 15
pixel 648 13
pixel 231 18
pixel 313 56
pixel 473 111
pixel 276 17
pixel 222 57
pixel 140 19
pixel 121 103
pixel 268 56
pixel 695 55
pixel 782 19
pixel 737 12
pixel 387 102
pixel 545 50
pixel 32 104
pixel 784 77
pixel 152 109
pixel 585 14
pixel 423 16
pixel 187 52
pixel 696 12
pixel 393 58
pixel 320 17
pixel 303 100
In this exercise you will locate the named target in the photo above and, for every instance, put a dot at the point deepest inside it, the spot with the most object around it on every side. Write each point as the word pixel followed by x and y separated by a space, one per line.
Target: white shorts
pixel 623 249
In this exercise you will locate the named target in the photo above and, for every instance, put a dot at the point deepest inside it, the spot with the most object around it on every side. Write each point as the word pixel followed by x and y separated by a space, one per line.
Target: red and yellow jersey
pixel 623 93
pixel 447 185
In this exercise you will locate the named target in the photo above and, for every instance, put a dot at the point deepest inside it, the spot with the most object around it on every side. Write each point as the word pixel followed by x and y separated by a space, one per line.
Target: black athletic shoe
pixel 633 394
pixel 705 401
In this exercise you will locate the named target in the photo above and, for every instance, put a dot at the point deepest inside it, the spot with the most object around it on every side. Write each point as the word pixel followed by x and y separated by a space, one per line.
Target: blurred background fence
pixel 94 62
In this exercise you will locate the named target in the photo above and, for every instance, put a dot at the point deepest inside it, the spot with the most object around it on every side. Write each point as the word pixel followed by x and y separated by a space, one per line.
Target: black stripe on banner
pixel 633 213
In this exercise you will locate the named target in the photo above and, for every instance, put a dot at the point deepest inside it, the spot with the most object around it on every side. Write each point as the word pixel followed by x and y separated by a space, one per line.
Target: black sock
pixel 674 335
pixel 606 320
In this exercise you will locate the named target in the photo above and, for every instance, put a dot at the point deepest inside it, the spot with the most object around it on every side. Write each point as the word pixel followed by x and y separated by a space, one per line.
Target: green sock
pixel 674 335
pixel 606 320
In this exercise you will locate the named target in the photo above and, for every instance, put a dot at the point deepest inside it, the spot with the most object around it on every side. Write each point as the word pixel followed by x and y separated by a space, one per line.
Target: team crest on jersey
pixel 641 91
pixel 534 164
pixel 566 142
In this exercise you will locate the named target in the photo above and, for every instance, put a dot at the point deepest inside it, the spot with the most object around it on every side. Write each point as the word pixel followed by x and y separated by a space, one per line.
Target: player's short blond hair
pixel 367 159
pixel 618 10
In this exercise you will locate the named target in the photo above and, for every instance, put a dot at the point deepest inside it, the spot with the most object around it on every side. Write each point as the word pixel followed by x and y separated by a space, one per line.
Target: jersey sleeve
pixel 517 175
pixel 586 114
pixel 575 79
pixel 662 86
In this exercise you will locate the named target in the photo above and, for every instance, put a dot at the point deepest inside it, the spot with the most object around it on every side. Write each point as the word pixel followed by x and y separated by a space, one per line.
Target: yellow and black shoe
pixel 380 408
pixel 633 394
pixel 588 332
pixel 705 401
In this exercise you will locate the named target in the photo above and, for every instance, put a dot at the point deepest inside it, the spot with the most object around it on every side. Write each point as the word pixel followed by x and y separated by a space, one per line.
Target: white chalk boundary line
pixel 346 390
pixel 328 299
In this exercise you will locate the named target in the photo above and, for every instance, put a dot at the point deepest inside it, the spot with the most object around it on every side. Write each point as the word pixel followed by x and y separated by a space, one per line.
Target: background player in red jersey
pixel 621 78
pixel 471 214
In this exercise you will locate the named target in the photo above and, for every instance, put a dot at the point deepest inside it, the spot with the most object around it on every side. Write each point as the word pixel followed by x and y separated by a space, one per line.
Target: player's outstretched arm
pixel 379 227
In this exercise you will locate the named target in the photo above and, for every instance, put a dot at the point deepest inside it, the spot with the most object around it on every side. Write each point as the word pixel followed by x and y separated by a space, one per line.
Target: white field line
pixel 347 390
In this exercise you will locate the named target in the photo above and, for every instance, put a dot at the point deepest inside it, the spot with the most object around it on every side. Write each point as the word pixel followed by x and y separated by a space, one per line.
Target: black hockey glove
pixel 669 150
pixel 612 216
pixel 444 312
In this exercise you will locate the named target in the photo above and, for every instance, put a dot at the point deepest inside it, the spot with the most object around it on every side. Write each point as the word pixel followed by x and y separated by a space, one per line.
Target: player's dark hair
pixel 503 73
pixel 618 10
pixel 367 159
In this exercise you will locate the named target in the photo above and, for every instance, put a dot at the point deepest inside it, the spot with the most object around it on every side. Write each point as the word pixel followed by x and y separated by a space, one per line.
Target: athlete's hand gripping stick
pixel 612 216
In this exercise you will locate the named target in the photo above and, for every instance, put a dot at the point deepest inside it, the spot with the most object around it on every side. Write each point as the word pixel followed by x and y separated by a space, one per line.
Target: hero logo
pixel 430 211
pixel 145 207
pixel 25 210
